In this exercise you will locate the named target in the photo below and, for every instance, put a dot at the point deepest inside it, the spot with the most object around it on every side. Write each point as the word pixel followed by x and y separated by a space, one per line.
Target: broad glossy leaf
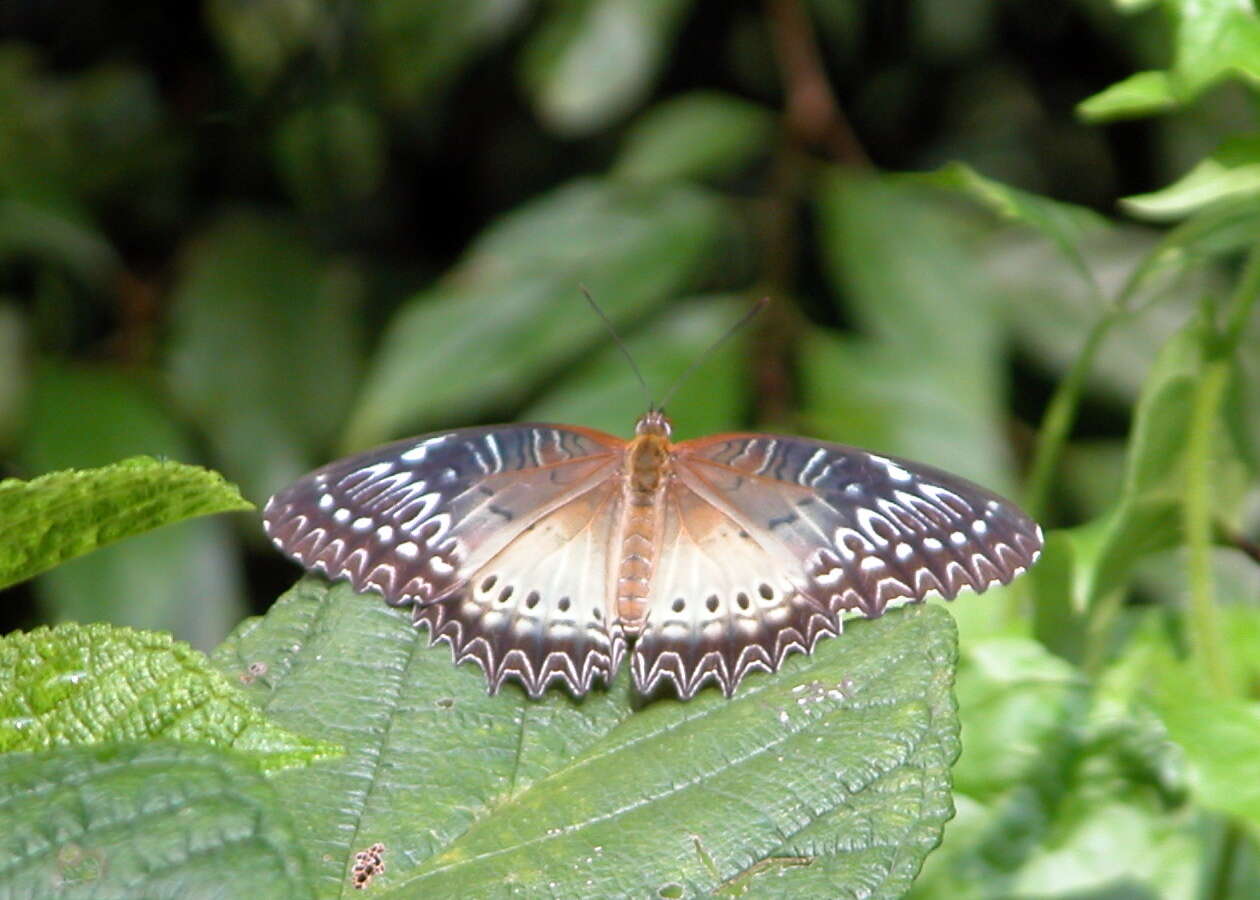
pixel 591 61
pixel 603 393
pixel 97 684
pixel 264 349
pixel 912 285
pixel 511 313
pixel 1231 172
pixel 65 514
pixel 703 135
pixel 831 776
pixel 144 820
pixel 1068 226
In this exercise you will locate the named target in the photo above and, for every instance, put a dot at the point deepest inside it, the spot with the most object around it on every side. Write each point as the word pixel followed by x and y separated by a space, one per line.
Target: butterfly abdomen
pixel 646 473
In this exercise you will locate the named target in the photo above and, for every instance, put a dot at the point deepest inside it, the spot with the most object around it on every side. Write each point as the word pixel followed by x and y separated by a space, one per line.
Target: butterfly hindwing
pixel 537 610
pixel 865 531
pixel 721 605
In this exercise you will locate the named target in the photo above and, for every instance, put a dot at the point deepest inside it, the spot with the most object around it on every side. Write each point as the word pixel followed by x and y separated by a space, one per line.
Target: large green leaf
pixel 702 135
pixel 928 321
pixel 97 684
pixel 592 60
pixel 510 313
pixel 264 350
pixel 144 820
pixel 185 578
pixel 831 777
pixel 65 514
pixel 1068 226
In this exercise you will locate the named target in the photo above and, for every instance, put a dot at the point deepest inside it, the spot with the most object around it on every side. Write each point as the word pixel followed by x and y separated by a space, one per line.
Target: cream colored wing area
pixel 720 604
pixel 538 611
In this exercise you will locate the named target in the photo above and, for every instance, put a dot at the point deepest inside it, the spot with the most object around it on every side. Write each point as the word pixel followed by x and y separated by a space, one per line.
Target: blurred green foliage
pixel 1017 241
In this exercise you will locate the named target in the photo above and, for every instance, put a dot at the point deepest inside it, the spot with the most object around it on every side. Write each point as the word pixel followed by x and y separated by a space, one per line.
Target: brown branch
pixel 812 114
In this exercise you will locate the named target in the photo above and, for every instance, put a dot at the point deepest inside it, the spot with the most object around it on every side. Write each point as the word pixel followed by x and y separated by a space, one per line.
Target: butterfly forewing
pixel 415 520
pixel 865 531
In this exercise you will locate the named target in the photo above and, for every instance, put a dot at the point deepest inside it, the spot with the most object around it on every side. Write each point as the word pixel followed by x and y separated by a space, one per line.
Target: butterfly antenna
pixel 704 357
pixel 621 345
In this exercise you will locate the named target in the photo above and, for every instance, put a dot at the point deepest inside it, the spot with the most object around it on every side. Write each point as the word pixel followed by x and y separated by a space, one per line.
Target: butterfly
pixel 546 553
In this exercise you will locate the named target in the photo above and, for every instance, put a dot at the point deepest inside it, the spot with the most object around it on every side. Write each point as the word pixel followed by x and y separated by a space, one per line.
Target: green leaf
pixel 97 684
pixel 1214 40
pixel 1068 227
pixel 419 46
pixel 91 417
pixel 1082 565
pixel 511 314
pixel 271 414
pixel 591 61
pixel 1143 94
pixel 261 38
pixel 330 154
pixel 144 820
pixel 1232 171
pixel 831 777
pixel 65 514
pixel 703 135
pixel 603 393
pixel 928 319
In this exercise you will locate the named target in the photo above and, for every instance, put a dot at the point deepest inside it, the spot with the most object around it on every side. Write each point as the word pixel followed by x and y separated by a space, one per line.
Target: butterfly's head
pixel 655 422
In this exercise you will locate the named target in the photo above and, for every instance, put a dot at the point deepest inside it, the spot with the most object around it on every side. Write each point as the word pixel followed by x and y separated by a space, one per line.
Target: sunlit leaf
pixel 830 777
pixel 702 135
pixel 1232 171
pixel 1213 40
pixel 97 684
pixel 1143 94
pixel 65 514
pixel 145 820
pixel 593 60
pixel 511 313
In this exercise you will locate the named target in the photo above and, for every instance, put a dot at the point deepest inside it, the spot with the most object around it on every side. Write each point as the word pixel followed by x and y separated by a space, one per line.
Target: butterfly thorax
pixel 646 474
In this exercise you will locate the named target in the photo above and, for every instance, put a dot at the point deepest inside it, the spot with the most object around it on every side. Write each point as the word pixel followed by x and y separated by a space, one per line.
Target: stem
pixel 1205 627
pixel 1055 426
pixel 812 113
